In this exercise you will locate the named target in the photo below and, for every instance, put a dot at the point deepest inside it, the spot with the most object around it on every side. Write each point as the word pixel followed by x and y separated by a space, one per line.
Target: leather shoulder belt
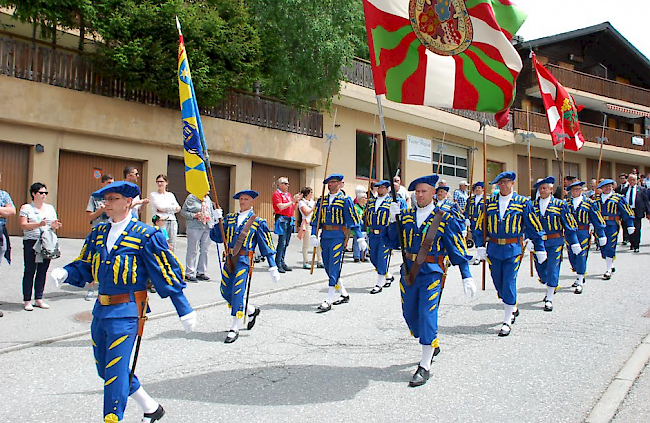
pixel 424 248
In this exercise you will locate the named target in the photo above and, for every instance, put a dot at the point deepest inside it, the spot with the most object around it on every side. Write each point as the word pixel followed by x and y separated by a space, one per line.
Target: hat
pixel 606 182
pixel 444 188
pixel 430 179
pixel 463 183
pixel 477 184
pixel 127 189
pixel 333 177
pixel 575 184
pixel 249 192
pixel 382 183
pixel 505 175
pixel 547 180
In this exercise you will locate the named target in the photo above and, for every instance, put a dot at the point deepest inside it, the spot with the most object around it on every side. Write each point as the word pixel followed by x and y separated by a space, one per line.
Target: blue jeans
pixel 283 240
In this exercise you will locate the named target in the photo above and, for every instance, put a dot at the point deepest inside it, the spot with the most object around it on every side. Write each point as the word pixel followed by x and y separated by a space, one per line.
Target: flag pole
pixel 483 126
pixel 530 176
pixel 373 143
pixel 601 140
pixel 442 147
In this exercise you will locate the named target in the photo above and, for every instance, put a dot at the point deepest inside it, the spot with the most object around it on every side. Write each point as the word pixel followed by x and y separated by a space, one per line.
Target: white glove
pixel 394 211
pixel 363 245
pixel 468 223
pixel 630 230
pixel 541 256
pixel 469 287
pixel 481 252
pixel 189 321
pixel 602 241
pixel 314 241
pixel 530 246
pixel 464 233
pixel 58 276
pixel 217 214
pixel 576 248
pixel 275 275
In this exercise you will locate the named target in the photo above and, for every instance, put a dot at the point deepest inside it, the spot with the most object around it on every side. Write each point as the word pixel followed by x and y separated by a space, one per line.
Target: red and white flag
pixel 561 110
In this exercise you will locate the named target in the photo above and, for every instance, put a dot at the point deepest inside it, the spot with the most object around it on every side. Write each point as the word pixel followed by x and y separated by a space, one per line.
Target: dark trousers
pixel 283 240
pixel 635 238
pixel 625 235
pixel 32 268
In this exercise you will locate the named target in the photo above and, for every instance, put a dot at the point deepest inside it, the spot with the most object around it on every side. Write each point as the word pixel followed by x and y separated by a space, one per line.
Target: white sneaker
pixel 90 295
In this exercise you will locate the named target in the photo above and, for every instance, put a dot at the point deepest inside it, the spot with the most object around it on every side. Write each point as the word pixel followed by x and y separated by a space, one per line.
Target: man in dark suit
pixel 637 198
pixel 560 192
pixel 620 189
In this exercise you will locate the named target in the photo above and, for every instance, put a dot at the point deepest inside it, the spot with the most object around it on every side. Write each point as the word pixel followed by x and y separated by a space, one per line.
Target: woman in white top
pixel 306 207
pixel 165 206
pixel 35 217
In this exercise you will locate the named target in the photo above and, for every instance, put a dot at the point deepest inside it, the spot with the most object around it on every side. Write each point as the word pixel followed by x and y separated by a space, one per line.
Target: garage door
pixel 264 178
pixel 538 171
pixel 79 176
pixel 176 176
pixel 454 166
pixel 14 167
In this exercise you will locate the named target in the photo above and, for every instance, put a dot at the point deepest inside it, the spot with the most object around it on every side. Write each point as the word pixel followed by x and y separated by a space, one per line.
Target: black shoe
pixel 281 269
pixel 202 277
pixel 387 284
pixel 342 300
pixel 624 243
pixel 324 307
pixel 155 416
pixel 251 318
pixel 391 279
pixel 578 290
pixel 231 339
pixel 376 290
pixel 631 247
pixel 613 269
pixel 357 260
pixel 1 313
pixel 514 316
pixel 505 330
pixel 419 378
pixel 286 268
pixel 548 306
pixel 607 276
pixel 436 351
pixel 190 279
pixel 575 284
pixel 636 250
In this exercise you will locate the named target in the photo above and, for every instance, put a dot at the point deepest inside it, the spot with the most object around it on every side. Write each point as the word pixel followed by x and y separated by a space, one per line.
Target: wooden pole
pixel 442 147
pixel 530 180
pixel 601 140
pixel 372 161
pixel 485 194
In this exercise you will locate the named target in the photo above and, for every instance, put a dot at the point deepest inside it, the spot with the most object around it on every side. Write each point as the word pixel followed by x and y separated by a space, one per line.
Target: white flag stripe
pixel 553 117
pixel 578 141
pixel 547 86
pixel 483 33
pixel 440 82
pixel 398 8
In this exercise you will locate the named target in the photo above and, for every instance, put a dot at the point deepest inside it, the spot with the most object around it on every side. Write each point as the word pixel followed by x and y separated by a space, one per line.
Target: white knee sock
pixel 344 292
pixel 508 310
pixel 381 279
pixel 330 294
pixel 148 404
pixel 427 355
pixel 250 310
pixel 236 323
pixel 581 279
pixel 550 293
pixel 610 263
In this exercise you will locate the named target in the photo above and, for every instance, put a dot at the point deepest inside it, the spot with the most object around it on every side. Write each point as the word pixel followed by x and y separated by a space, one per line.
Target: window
pixel 395 151
pixel 452 165
pixel 364 151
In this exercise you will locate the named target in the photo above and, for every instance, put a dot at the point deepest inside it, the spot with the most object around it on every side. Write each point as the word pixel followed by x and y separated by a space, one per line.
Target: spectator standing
pixel 7 209
pixel 131 174
pixel 306 207
pixel 461 195
pixel 165 206
pixel 592 189
pixel 199 221
pixel 621 189
pixel 96 210
pixel 283 208
pixel 359 208
pixel 36 217
pixel 401 191
pixel 637 197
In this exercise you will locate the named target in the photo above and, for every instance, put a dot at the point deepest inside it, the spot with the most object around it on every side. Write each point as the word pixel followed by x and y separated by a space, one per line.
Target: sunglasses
pixel 42 192
pixel 160 182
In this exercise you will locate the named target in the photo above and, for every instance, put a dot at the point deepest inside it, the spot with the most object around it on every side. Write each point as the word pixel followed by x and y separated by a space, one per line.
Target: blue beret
pixel 605 182
pixel 444 188
pixel 127 189
pixel 430 179
pixel 547 180
pixel 333 177
pixel 478 184
pixel 381 183
pixel 505 175
pixel 575 184
pixel 249 192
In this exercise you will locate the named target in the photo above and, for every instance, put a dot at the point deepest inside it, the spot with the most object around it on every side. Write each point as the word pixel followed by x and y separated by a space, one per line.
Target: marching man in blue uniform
pixel 421 279
pixel 244 232
pixel 585 212
pixel 558 224
pixel 336 216
pixel 441 196
pixel 510 217
pixel 376 218
pixel 472 210
pixel 613 208
pixel 122 254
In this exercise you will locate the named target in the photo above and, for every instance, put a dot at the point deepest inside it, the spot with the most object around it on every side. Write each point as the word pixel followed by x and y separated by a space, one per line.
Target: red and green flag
pixel 445 53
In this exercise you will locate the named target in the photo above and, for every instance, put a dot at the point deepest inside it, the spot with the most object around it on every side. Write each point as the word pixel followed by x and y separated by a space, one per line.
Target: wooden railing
pixel 615 137
pixel 63 69
pixel 597 85
pixel 361 74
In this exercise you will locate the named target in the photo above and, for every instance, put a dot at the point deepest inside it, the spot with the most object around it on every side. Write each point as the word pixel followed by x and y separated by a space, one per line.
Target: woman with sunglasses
pixel 165 206
pixel 36 217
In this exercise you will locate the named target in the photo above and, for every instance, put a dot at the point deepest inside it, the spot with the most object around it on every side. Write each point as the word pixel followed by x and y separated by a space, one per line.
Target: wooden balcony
pixel 616 137
pixel 597 85
pixel 68 70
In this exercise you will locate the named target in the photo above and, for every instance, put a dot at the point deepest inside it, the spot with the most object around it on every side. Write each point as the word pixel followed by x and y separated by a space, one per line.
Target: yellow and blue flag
pixel 196 178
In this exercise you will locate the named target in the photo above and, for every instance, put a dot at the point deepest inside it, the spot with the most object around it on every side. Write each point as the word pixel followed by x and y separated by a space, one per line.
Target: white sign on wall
pixel 637 140
pixel 418 149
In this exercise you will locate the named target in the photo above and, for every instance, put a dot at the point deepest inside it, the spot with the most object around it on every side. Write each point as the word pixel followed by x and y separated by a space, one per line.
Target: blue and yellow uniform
pixel 558 223
pixel 472 211
pixel 234 282
pixel 420 300
pixel 338 216
pixel 140 253
pixel 376 220
pixel 505 237
pixel 614 209
pixel 586 213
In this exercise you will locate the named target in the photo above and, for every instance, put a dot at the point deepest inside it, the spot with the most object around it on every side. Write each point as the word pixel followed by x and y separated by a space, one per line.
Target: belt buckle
pixel 104 300
pixel 501 241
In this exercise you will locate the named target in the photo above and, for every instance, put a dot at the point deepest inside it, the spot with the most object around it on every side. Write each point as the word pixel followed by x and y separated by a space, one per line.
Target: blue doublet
pixel 472 211
pixel 420 300
pixel 335 218
pixel 504 260
pixel 586 213
pixel 558 222
pixel 613 210
pixel 234 282
pixel 140 254
pixel 376 222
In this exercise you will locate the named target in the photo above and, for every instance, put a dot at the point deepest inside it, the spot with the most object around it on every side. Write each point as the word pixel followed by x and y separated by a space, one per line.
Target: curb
pixel 173 313
pixel 609 403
